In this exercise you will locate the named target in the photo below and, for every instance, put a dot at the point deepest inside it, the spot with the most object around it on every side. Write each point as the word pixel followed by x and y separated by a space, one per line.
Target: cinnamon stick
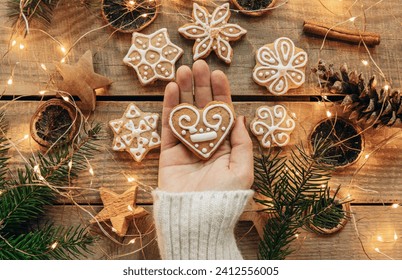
pixel 342 34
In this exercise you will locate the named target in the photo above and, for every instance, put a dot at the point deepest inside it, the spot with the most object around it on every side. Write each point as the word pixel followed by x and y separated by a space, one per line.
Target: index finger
pixel 170 100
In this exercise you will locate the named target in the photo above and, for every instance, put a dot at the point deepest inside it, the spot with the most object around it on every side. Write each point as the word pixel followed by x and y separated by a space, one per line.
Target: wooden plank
pixel 72 20
pixel 372 222
pixel 378 180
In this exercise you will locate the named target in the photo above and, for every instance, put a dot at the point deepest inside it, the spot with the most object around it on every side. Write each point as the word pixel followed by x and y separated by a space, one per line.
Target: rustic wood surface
pixel 374 183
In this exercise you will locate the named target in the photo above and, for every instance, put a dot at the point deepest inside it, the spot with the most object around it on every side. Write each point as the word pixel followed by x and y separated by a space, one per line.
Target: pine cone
pixel 364 102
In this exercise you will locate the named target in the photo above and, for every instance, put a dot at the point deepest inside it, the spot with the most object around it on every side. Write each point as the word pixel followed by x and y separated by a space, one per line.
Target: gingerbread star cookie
pixel 81 80
pixel 202 130
pixel 136 132
pixel 119 209
pixel 153 56
pixel 212 32
pixel 272 126
pixel 280 66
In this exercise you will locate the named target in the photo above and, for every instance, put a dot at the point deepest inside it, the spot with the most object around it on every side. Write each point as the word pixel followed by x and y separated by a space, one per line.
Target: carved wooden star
pixel 81 80
pixel 119 209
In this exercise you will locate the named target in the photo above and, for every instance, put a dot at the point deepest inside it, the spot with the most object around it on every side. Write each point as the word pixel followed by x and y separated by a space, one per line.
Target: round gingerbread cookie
pixel 202 130
pixel 272 126
pixel 280 66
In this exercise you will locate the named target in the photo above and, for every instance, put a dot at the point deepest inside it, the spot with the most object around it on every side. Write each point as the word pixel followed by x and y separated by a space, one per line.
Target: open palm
pixel 231 167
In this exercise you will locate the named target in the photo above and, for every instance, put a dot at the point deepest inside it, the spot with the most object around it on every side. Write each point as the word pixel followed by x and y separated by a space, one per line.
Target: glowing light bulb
pixel 144 15
pixel 13 43
pixel 43 66
pixel 63 49
pixel 42 92
pixel 297 235
pixel 63 60
pixel 395 205
pixel 132 241
pixel 380 239
pixel 323 186
pixel 329 114
pixel 10 81
pixel 377 250
pixel 130 179
pixel 386 87
pixel 395 236
pixel 22 46
pixel 294 115
pixel 70 164
pixel 54 245
pixel 367 156
pixel 91 171
pixel 66 98
pixel 114 230
pixel 365 62
pixel 130 208
pixel 26 136
pixel 352 19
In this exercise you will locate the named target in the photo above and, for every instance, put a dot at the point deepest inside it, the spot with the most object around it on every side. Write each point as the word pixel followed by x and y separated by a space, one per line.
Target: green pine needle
pixel 24 195
pixel 49 242
pixel 296 192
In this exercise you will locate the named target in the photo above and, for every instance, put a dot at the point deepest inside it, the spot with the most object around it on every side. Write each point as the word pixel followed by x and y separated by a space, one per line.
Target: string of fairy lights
pixel 19 43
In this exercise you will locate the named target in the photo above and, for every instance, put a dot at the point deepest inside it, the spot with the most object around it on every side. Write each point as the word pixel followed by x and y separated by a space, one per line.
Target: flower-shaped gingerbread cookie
pixel 136 132
pixel 272 126
pixel 153 56
pixel 212 32
pixel 280 66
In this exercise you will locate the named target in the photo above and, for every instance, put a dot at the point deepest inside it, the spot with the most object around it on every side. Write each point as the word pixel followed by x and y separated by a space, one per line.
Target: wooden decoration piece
pixel 338 33
pixel 81 80
pixel 119 209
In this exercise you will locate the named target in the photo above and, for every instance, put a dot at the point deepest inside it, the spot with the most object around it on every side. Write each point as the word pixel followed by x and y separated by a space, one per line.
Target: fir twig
pixel 292 189
pixel 49 242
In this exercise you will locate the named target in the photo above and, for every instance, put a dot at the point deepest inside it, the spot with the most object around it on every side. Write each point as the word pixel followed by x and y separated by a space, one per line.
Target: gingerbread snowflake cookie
pixel 136 132
pixel 280 66
pixel 212 32
pixel 153 56
pixel 202 130
pixel 272 126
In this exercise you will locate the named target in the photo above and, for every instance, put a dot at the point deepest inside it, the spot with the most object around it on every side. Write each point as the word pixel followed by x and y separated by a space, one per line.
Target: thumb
pixel 241 158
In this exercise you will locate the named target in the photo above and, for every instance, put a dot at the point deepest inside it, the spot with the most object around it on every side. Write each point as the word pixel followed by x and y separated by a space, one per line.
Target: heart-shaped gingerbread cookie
pixel 202 130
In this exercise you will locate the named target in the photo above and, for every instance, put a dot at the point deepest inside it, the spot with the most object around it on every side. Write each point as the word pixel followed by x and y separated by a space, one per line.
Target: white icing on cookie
pixel 212 32
pixel 200 129
pixel 280 66
pixel 149 67
pixel 135 132
pixel 274 125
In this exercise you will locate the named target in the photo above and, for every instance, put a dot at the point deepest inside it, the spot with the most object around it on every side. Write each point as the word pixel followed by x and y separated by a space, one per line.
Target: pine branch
pixel 42 10
pixel 4 147
pixel 49 242
pixel 292 188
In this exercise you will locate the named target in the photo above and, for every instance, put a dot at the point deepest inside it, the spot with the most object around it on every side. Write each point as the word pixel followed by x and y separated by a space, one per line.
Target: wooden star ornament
pixel 119 209
pixel 81 80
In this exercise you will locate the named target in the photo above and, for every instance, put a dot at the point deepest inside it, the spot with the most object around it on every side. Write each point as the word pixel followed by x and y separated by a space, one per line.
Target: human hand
pixel 231 167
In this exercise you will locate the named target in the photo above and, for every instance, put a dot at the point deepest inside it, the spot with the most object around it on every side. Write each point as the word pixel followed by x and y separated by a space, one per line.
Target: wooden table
pixel 374 187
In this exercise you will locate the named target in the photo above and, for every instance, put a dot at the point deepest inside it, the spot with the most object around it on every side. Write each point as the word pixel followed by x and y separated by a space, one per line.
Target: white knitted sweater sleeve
pixel 198 225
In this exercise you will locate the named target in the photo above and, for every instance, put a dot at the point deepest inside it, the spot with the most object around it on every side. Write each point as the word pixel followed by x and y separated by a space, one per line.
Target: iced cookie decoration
pixel 280 66
pixel 202 130
pixel 153 56
pixel 212 32
pixel 272 126
pixel 136 132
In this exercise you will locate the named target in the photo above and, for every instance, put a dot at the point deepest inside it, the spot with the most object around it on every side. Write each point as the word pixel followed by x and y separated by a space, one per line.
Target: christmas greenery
pixel 296 194
pixel 24 195
pixel 42 10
